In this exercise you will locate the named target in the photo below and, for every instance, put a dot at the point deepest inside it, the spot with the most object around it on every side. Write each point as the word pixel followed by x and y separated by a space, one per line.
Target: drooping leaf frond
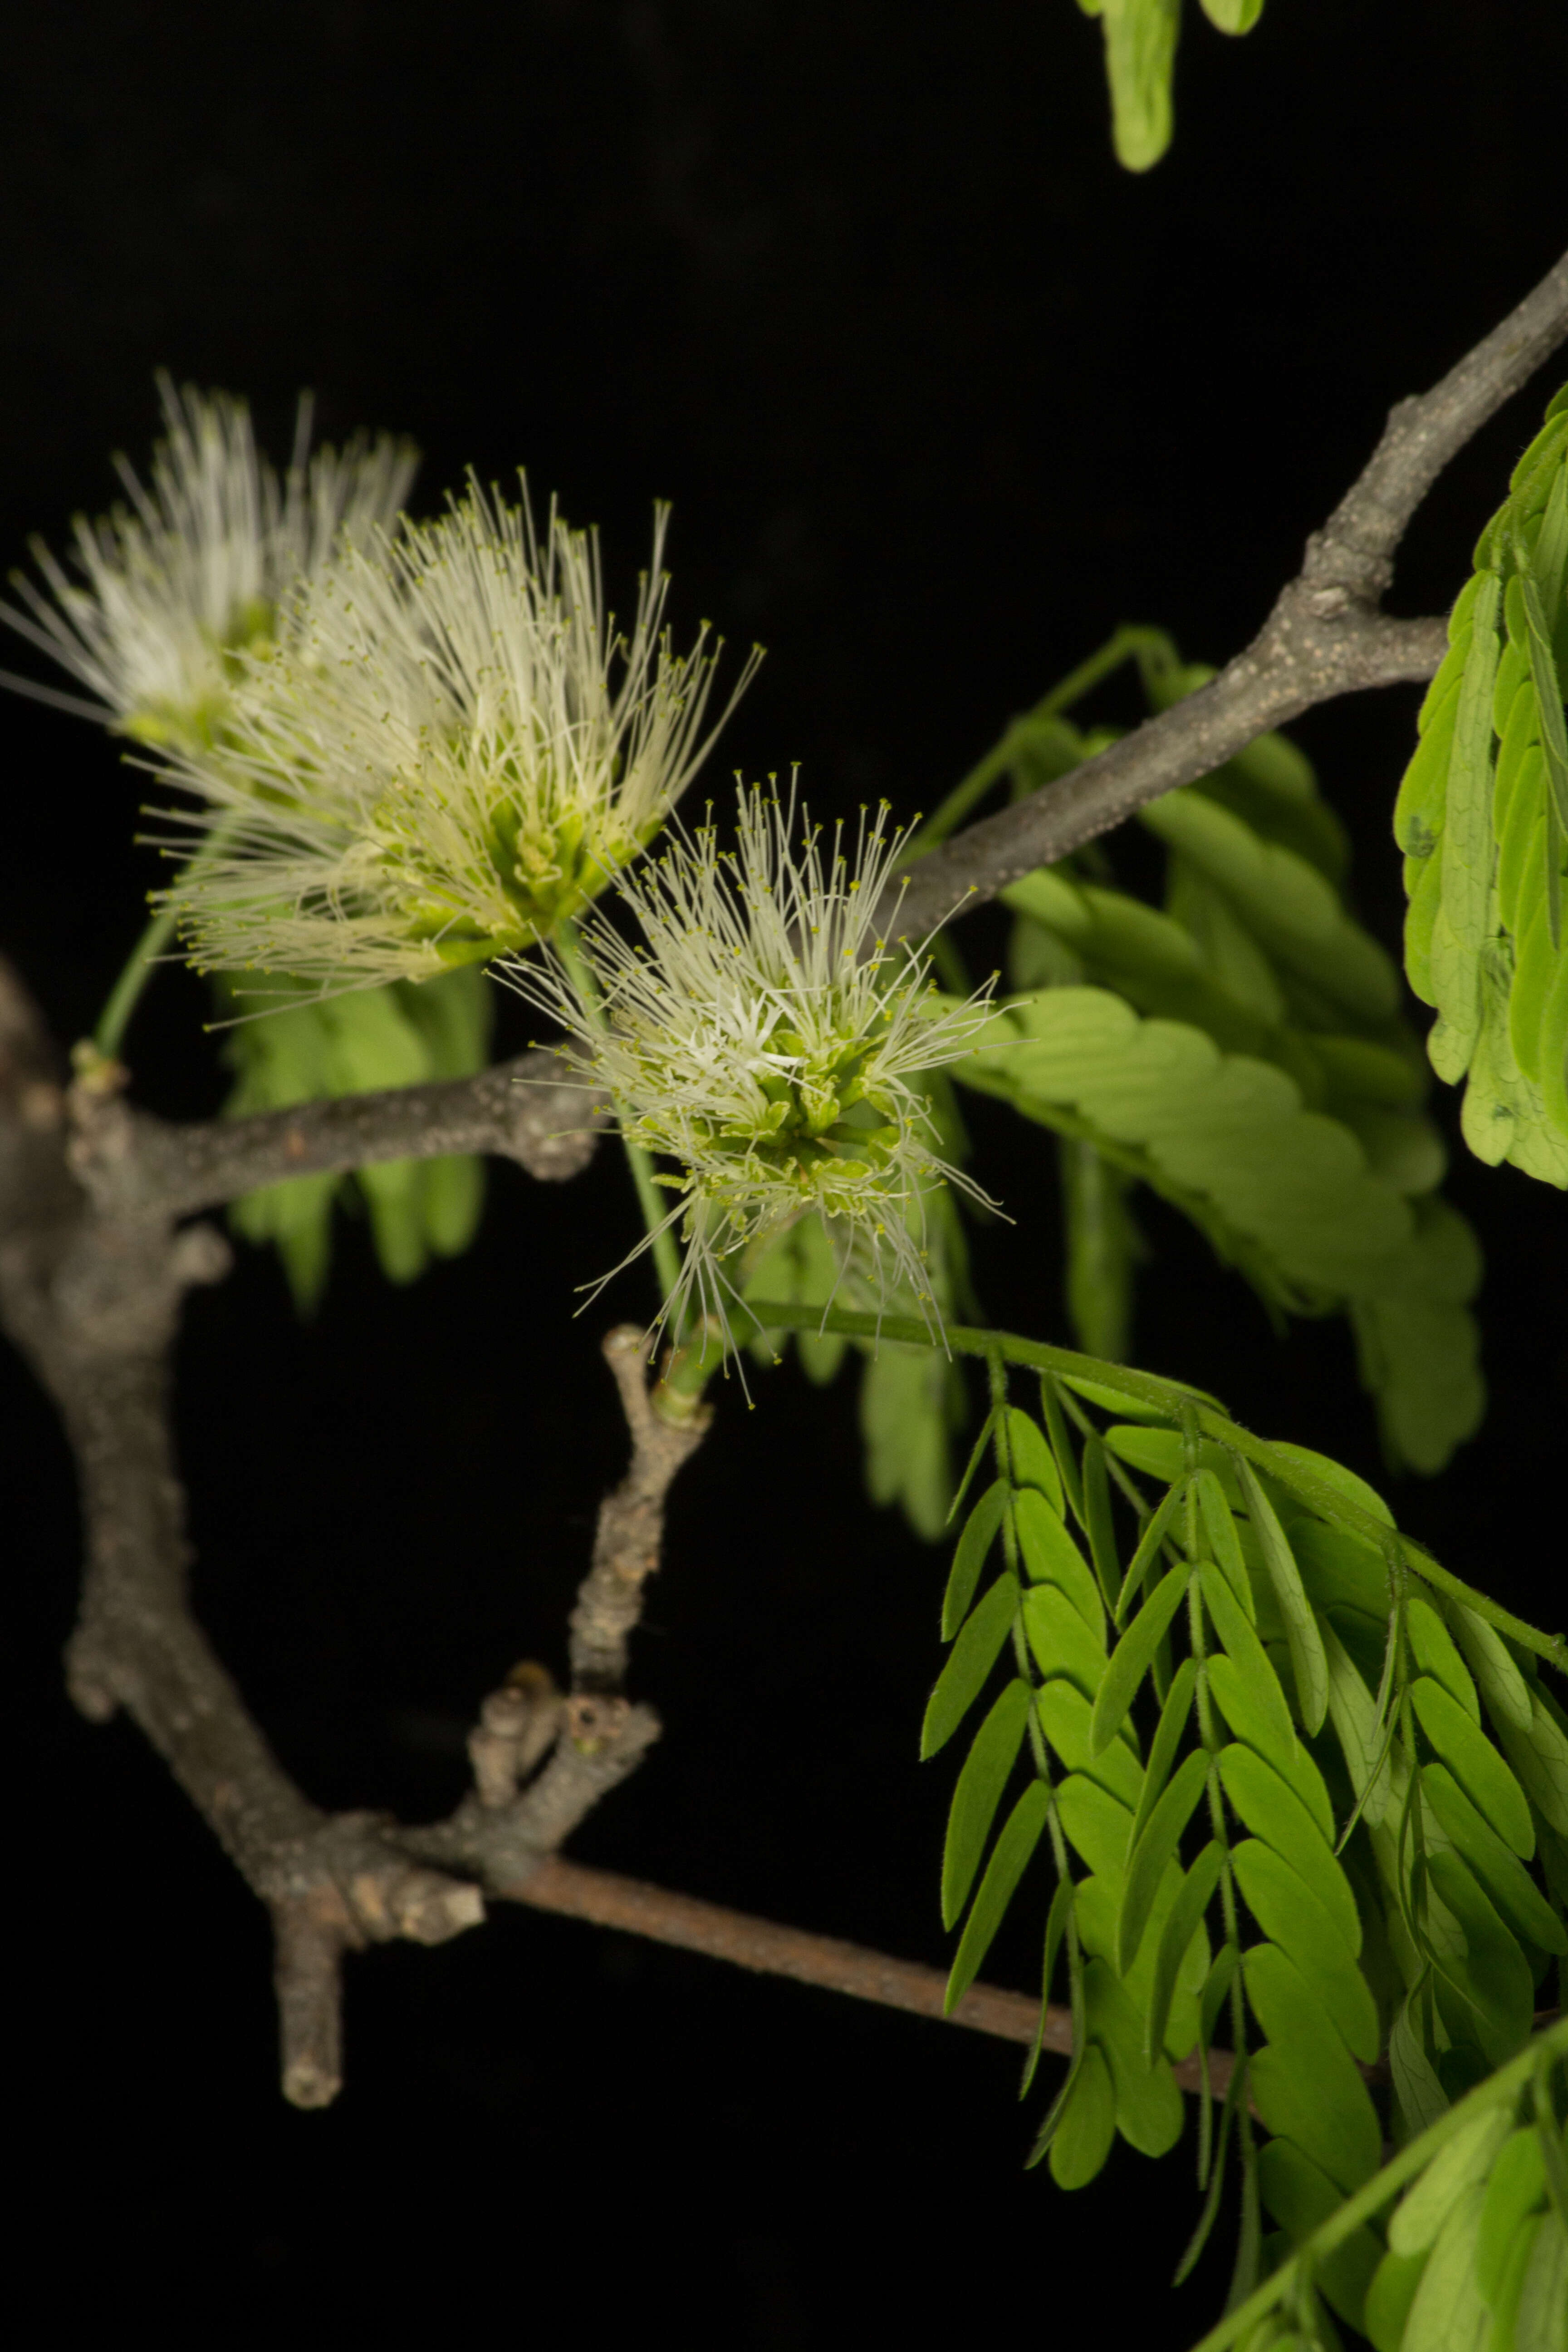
pixel 1303 1797
pixel 1482 818
pixel 1287 1194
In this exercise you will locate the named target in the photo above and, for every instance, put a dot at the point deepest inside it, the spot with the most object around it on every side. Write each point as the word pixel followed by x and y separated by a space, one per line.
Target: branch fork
pixel 1327 635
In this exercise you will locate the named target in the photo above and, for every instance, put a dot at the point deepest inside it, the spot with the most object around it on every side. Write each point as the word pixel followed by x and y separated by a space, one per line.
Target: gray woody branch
pixel 532 1110
pixel 91 1283
pixel 89 1292
pixel 1326 636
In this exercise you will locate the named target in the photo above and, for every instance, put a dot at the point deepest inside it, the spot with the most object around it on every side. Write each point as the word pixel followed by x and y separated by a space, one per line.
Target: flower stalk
pixel 655 1213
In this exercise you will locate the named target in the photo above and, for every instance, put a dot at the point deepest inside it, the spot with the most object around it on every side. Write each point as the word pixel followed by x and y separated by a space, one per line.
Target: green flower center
pixel 819 1124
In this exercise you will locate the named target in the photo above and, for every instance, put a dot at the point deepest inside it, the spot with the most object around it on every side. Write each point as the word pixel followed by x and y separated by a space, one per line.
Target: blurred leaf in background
pixel 400 1036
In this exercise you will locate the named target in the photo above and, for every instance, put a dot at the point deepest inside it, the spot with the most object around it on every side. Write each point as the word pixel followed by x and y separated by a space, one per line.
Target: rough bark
pixel 533 1109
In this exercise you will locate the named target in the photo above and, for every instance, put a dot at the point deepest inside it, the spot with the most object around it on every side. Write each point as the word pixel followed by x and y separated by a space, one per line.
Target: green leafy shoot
pixel 1482 819
pixel 1304 1784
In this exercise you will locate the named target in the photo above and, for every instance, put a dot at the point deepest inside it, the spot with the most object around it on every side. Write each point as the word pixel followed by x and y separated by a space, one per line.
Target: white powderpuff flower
pixel 763 1036
pixel 172 587
pixel 449 748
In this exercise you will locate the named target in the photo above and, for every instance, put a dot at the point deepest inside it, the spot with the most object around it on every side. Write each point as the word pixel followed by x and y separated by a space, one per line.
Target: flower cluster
pixel 763 1036
pixel 447 748
pixel 174 588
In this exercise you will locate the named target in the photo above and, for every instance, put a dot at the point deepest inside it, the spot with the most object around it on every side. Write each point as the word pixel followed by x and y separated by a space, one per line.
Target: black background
pixel 940 397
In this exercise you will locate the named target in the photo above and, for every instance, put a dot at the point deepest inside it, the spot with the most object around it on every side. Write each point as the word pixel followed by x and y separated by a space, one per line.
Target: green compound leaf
pixel 1465 2160
pixel 1310 1935
pixel 1516 2188
pixel 1148 2104
pixel 1272 1809
pixel 1064 1714
pixel 1050 1556
pixel 1183 1922
pixel 1255 949
pixel 1156 1850
pixel 1507 1882
pixel 1464 2242
pixel 1305 2083
pixel 1492 1977
pixel 1167 1739
pixel 1448 2308
pixel 1429 1921
pixel 1285 1192
pixel 1086 2127
pixel 1134 1654
pixel 1020 1836
pixel 1302 2197
pixel 1249 1695
pixel 1482 816
pixel 978 1793
pixel 1307 1658
pixel 1061 1643
pixel 1030 1461
pixel 1475 1763
pixel 1432 1646
pixel 1225 1544
pixel 1149 1547
pixel 974 1654
pixel 1543 2289
pixel 980 1532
